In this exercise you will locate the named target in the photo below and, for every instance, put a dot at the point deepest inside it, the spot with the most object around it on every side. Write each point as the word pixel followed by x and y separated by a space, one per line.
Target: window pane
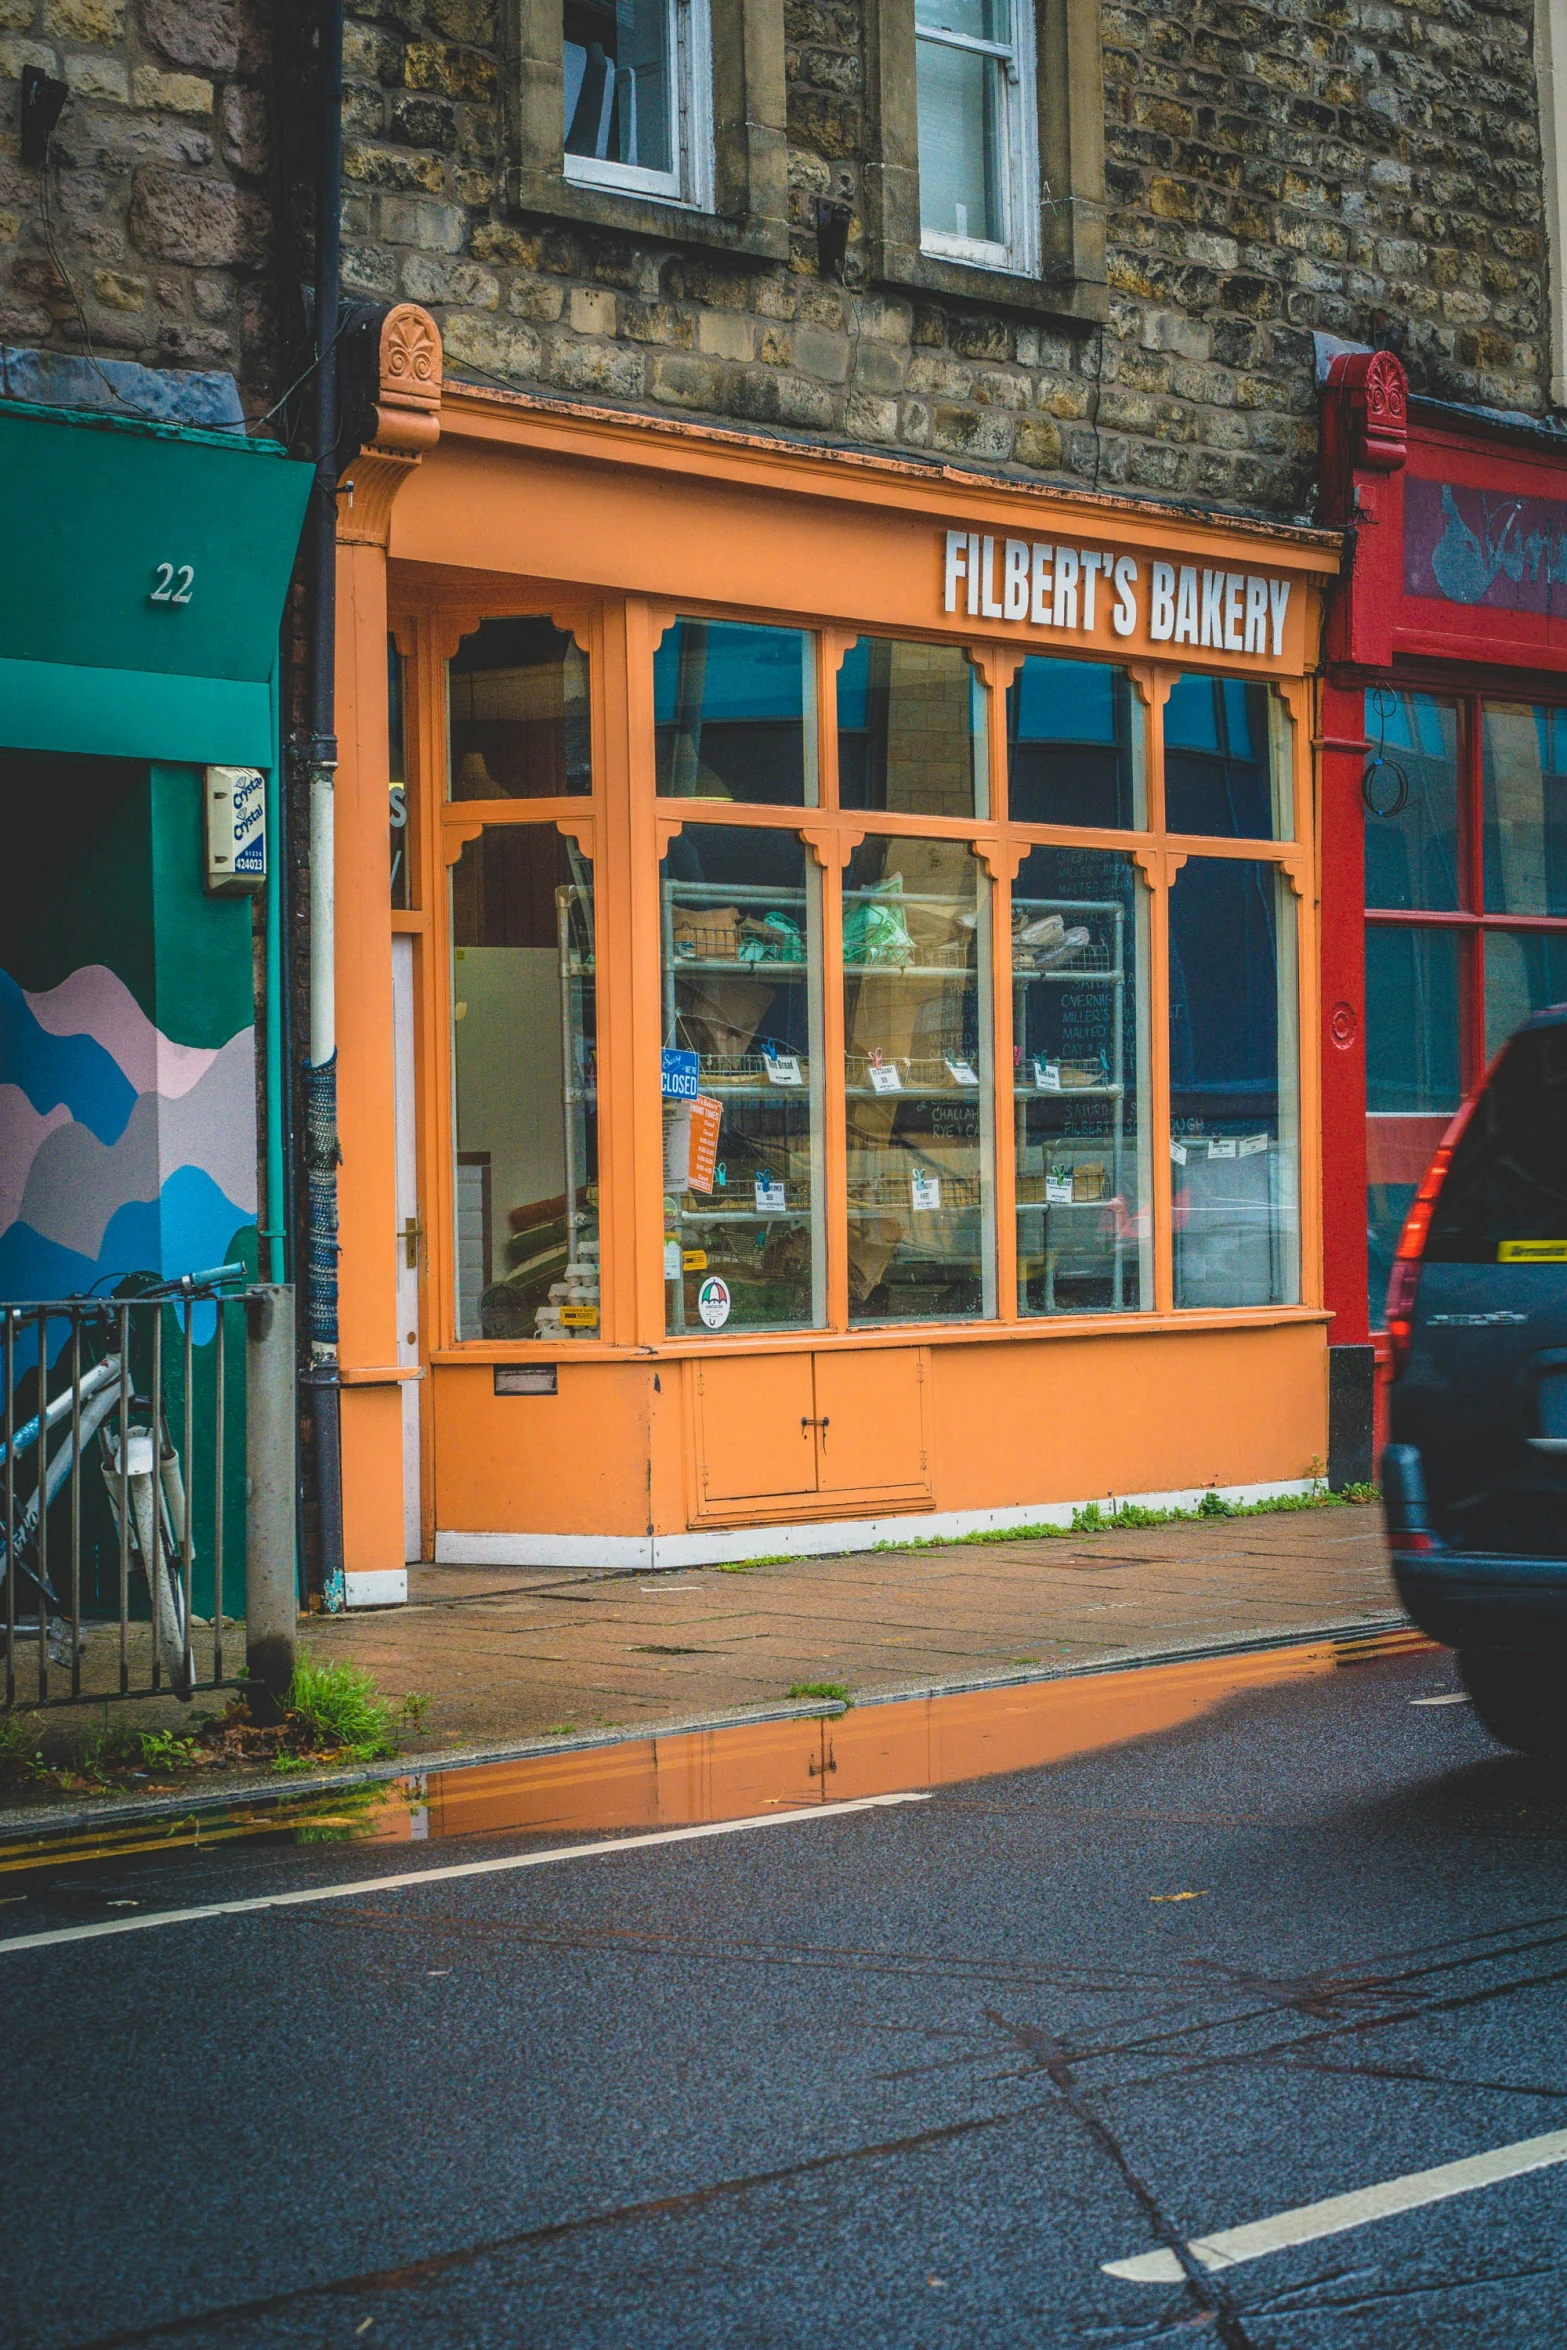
pixel 1233 1118
pixel 400 870
pixel 1226 764
pixel 1412 858
pixel 525 1071
pixel 743 1236
pixel 518 696
pixel 734 709
pixel 916 923
pixel 959 98
pixel 1080 1030
pixel 1413 1078
pixel 617 63
pixel 976 20
pixel 1523 753
pixel 911 730
pixel 1074 745
pixel 1524 971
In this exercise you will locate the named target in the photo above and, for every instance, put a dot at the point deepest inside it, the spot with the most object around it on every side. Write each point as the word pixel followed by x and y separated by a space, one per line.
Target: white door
pixel 410 1235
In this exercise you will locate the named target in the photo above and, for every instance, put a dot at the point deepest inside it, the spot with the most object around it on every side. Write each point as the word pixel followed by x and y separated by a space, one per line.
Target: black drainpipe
pixel 318 760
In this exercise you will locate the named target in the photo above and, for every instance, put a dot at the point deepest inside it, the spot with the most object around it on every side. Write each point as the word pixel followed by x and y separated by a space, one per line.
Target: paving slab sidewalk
pixel 516 1653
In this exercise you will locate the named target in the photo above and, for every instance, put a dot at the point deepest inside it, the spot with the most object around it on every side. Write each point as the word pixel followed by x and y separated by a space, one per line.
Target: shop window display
pixel 517 697
pixel 911 730
pixel 1075 746
pixel 918 1083
pixel 1226 762
pixel 735 713
pixel 1234 1147
pixel 1080 1054
pixel 742 1077
pixel 525 1087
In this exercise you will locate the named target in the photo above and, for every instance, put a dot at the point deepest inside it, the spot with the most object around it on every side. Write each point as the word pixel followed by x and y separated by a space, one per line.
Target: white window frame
pixel 1550 64
pixel 1018 163
pixel 691 82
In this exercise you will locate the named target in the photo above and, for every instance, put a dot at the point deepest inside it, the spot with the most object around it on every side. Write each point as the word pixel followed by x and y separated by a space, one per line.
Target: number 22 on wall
pixel 173 584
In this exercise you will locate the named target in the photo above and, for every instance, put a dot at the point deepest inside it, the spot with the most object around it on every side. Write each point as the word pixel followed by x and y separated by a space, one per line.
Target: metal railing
pixel 122 1492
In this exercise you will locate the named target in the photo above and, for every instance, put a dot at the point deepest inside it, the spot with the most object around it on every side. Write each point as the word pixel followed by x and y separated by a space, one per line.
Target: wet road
pixel 915 2073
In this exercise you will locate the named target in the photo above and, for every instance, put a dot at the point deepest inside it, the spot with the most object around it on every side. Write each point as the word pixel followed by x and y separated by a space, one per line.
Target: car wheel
pixel 1521 1697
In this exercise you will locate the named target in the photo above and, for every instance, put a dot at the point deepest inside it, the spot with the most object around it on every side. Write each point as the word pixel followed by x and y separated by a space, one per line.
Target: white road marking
pixel 1454 1697
pixel 407 1878
pixel 1309 2221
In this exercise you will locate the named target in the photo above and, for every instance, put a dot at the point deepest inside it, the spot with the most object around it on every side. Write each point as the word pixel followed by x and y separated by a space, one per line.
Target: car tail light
pixel 1405 1282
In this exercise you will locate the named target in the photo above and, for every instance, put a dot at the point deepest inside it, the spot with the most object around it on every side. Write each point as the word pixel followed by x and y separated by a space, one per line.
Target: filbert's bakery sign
pixel 1050 585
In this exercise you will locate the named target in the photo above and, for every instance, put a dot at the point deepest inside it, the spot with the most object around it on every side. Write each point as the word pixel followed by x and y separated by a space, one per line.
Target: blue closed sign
pixel 682 1077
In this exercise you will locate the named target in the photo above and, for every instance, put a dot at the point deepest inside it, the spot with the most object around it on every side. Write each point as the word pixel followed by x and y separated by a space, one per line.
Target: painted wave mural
pixel 121 1150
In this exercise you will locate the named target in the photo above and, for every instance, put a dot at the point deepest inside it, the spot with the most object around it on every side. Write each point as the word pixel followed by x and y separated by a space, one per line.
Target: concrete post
pixel 271 1587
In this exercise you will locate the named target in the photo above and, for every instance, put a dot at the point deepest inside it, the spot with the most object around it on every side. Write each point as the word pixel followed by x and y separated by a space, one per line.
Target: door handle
pixel 412 1234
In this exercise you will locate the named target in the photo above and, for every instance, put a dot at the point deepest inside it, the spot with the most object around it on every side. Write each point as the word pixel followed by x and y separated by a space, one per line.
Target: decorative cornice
pixel 407 425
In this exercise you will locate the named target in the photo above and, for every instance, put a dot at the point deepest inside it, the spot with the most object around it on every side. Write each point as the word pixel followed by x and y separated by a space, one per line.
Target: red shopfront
pixel 1444 803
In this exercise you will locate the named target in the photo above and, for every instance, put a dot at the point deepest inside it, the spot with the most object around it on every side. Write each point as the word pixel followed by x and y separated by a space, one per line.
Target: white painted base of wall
pixel 381 1587
pixel 648 1553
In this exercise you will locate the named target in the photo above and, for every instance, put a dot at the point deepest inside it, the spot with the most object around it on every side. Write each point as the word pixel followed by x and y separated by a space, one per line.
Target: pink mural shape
pixel 94 1001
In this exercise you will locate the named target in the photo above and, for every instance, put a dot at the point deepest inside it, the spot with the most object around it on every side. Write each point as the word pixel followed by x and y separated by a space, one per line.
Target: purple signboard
pixel 1468 546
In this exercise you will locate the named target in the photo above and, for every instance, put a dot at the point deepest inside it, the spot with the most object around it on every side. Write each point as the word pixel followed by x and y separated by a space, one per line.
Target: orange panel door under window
pixel 870 1413
pixel 756 1432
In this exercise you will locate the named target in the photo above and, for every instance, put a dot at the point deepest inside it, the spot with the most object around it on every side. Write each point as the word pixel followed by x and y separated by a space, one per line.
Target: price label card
pixel 1221 1146
pixel 770 1198
pixel 1058 1189
pixel 926 1190
pixel 671 1260
pixel 681 1076
pixel 884 1078
pixel 960 1072
pixel 1253 1145
pixel 1178 1153
pixel 1047 1076
pixel 783 1069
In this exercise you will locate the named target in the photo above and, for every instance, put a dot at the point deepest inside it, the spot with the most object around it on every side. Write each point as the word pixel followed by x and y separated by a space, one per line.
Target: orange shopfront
pixel 820 1040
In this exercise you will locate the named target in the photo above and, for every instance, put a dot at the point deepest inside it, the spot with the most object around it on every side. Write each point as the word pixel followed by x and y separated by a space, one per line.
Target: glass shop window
pixel 917 1076
pixel 1075 746
pixel 1413 1081
pixel 1523 785
pixel 742 1077
pixel 1412 853
pixel 518 700
pixel 525 1087
pixel 734 710
pixel 1524 971
pixel 912 736
pixel 397 828
pixel 1080 1092
pixel 1226 760
pixel 1234 1141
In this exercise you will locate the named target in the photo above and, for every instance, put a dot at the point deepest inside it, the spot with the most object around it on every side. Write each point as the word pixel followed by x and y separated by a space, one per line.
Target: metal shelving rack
pixel 1078 973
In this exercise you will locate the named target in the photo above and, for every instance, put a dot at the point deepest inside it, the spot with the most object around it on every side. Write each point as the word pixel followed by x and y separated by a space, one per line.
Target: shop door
pixel 756 1429
pixel 409 1236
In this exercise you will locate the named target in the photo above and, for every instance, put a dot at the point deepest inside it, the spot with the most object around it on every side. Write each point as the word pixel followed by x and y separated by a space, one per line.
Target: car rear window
pixel 1505 1198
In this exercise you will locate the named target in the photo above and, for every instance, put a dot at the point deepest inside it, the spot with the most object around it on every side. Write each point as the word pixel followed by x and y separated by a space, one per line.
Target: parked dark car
pixel 1475 1474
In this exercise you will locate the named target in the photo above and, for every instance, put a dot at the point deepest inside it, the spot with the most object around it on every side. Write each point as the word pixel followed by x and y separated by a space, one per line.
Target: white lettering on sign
pixel 1052 586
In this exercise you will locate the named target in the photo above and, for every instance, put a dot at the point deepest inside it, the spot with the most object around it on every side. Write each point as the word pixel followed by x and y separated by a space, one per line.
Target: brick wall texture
pixel 1274 166
pixel 150 235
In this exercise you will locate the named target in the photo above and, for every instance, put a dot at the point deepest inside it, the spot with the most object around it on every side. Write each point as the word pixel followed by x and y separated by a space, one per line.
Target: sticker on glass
pixel 783 1068
pixel 1047 1076
pixel 712 1302
pixel 770 1198
pixel 671 1260
pixel 960 1072
pixel 926 1190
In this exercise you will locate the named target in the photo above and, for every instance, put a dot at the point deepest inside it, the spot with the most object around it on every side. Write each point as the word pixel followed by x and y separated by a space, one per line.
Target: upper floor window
pixel 637 88
pixel 978 133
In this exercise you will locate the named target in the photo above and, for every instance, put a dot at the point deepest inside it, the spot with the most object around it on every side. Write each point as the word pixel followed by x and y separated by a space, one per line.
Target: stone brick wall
pixel 1365 167
pixel 150 236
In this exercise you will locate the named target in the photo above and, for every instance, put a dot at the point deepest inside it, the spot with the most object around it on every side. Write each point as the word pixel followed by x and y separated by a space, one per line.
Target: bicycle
pixel 142 1472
